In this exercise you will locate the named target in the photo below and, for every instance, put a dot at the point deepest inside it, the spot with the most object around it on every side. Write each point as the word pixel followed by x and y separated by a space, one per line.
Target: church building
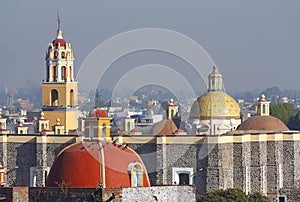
pixel 59 89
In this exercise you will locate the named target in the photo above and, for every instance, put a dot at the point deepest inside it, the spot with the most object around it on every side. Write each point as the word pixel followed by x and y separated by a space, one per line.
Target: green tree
pixel 231 195
pixel 294 122
pixel 257 197
pixel 273 93
pixel 283 111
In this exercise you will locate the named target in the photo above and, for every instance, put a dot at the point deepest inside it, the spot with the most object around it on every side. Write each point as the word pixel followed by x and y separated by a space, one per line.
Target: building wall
pixel 68 118
pixel 20 153
pixel 253 162
pixel 63 93
pixel 163 193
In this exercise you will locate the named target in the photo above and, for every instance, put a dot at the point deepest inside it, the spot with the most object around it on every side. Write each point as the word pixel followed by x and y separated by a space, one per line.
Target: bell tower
pixel 59 89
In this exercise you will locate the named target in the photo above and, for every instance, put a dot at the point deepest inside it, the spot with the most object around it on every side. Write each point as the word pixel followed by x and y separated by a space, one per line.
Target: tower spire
pixel 58 20
pixel 59 32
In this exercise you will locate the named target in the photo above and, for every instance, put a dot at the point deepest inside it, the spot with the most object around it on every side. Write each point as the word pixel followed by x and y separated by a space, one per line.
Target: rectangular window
pixel 91 131
pixel 281 199
pixel 182 175
pixel 32 177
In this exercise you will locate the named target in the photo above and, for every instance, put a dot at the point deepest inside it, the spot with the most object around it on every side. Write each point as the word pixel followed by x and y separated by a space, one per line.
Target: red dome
pixel 78 165
pixel 98 113
pixel 270 123
pixel 163 127
pixel 62 42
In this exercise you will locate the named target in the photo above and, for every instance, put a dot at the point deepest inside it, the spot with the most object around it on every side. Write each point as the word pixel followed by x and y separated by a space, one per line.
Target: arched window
pixel 63 73
pixel 128 126
pixel 263 109
pixel 136 172
pixel 71 74
pixel 104 131
pixel 43 126
pixel 54 73
pixel 48 74
pixel 55 54
pixel 63 55
pixel 54 98
pixel 71 97
pixel 172 113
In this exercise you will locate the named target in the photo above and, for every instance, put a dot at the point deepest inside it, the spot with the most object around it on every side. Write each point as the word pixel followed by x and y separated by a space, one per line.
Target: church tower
pixel 59 89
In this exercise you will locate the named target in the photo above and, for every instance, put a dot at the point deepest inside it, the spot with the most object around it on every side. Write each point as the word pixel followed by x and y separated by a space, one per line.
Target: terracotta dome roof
pixel 98 113
pixel 269 123
pixel 217 104
pixel 78 165
pixel 164 127
pixel 61 42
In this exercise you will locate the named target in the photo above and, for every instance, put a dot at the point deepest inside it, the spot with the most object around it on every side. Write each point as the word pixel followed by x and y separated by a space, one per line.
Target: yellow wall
pixel 97 124
pixel 63 93
pixel 68 118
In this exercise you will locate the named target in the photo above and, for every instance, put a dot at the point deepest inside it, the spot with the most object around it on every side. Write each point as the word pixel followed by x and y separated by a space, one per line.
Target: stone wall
pixel 160 193
pixel 148 153
pixel 21 153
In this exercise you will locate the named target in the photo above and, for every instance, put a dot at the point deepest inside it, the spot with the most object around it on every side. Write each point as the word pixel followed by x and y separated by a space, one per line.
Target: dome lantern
pixel 215 80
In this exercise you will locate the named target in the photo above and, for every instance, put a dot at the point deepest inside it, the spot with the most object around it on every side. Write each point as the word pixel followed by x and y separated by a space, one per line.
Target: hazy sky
pixel 255 44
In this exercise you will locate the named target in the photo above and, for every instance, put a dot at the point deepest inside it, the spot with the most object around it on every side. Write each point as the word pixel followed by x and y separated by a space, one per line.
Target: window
pixel 48 73
pixel 63 55
pixel 46 172
pixel 53 73
pixel 55 54
pixel 63 73
pixel 71 97
pixel 91 131
pixel 104 131
pixel 54 98
pixel 281 199
pixel 182 175
pixel 128 126
pixel 32 177
pixel 264 109
pixel 71 74
pixel 136 173
pixel 184 178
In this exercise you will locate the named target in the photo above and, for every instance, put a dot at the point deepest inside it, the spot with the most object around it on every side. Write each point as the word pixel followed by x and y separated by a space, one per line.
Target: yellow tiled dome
pixel 217 103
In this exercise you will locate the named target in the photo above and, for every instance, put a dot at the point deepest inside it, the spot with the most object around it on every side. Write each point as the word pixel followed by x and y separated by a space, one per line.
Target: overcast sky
pixel 255 44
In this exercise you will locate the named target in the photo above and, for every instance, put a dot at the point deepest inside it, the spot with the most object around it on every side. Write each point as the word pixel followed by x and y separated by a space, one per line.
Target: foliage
pixel 231 195
pixel 270 92
pixel 257 197
pixel 294 122
pixel 283 111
